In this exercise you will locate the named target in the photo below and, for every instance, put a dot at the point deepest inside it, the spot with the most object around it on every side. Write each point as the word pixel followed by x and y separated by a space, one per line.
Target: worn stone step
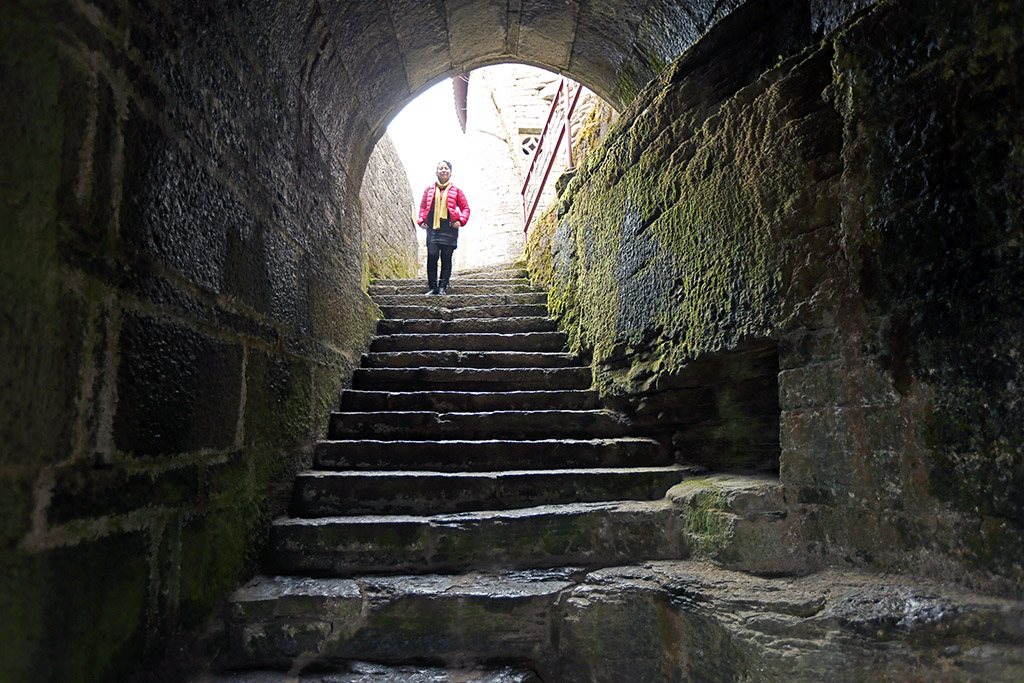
pixel 325 494
pixel 580 534
pixel 367 672
pixel 472 379
pixel 462 300
pixel 431 358
pixel 467 401
pixel 499 424
pixel 491 273
pixel 463 455
pixel 440 311
pixel 280 621
pixel 637 623
pixel 394 286
pixel 491 286
pixel 479 341
pixel 501 325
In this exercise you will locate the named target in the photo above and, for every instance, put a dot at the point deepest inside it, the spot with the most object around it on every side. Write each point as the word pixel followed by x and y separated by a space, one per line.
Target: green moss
pixel 217 551
pixel 707 214
pixel 941 253
pixel 74 613
pixel 386 265
pixel 15 508
pixel 277 399
pixel 628 83
pixel 705 520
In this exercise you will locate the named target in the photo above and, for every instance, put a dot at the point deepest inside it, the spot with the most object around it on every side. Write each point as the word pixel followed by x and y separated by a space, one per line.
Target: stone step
pixel 437 311
pixel 417 284
pixel 466 401
pixel 472 379
pixel 656 621
pixel 464 455
pixel 462 300
pixel 502 325
pixel 280 621
pixel 469 359
pixel 491 273
pixel 478 341
pixel 502 424
pixel 578 534
pixel 326 494
pixel 506 286
pixel 367 672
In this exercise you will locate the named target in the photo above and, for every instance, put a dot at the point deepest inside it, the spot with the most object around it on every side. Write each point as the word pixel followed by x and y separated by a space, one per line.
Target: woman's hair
pixel 445 161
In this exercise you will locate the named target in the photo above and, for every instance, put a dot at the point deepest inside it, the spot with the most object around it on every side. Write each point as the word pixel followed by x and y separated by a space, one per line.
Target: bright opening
pixel 507 107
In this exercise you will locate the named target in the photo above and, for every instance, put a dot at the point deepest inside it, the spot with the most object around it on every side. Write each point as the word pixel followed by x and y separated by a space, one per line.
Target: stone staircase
pixel 475 516
pixel 468 476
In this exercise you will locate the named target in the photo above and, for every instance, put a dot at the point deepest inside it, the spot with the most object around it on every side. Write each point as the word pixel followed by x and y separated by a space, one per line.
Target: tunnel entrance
pixel 184 287
pixel 507 106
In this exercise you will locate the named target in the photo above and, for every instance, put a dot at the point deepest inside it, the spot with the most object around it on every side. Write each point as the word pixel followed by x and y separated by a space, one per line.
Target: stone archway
pixel 387 53
pixel 183 272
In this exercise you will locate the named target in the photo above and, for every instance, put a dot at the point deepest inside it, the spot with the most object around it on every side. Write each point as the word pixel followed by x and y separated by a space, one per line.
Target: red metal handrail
pixel 564 131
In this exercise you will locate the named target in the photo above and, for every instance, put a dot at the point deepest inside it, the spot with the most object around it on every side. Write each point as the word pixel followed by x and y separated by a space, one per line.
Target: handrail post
pixel 568 123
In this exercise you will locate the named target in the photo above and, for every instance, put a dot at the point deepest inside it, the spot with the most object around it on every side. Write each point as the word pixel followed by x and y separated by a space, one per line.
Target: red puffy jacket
pixel 458 207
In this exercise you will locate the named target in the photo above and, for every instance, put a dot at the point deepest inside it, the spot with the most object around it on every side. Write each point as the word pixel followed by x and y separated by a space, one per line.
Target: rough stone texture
pixel 364 672
pixel 662 621
pixel 193 169
pixel 181 285
pixel 850 215
pixel 389 231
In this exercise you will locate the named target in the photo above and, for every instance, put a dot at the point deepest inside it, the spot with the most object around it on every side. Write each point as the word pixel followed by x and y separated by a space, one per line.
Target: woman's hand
pixel 456 224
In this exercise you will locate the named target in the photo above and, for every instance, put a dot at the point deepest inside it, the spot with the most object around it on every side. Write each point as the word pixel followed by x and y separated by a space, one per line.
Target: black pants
pixel 445 252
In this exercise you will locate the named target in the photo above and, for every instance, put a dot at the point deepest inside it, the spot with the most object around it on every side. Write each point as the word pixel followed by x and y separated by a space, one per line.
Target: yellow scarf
pixel 440 203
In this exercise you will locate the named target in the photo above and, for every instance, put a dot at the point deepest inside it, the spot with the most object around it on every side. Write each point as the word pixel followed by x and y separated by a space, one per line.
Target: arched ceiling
pixel 393 50
pixel 359 63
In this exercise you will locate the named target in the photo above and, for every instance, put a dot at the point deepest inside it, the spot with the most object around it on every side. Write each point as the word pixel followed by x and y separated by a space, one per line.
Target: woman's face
pixel 443 172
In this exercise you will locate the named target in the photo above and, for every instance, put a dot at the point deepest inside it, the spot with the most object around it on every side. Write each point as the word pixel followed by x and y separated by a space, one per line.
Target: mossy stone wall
pixel 849 207
pixel 181 271
pixel 390 234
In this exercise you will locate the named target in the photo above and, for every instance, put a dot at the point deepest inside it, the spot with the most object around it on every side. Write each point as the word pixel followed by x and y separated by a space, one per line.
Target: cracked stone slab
pixel 420 358
pixel 540 536
pixel 435 309
pixel 476 341
pixel 509 424
pixel 462 455
pixel 464 401
pixel 472 379
pixel 505 324
pixel 319 493
pixel 644 622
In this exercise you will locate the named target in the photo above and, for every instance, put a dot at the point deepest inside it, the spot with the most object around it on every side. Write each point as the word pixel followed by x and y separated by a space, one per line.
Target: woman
pixel 442 225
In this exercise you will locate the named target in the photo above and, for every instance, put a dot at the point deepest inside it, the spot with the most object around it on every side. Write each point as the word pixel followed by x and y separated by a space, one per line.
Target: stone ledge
pixel 640 622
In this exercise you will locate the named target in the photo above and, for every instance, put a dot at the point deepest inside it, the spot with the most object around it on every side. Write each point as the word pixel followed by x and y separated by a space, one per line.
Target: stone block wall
pixel 846 211
pixel 390 232
pixel 181 270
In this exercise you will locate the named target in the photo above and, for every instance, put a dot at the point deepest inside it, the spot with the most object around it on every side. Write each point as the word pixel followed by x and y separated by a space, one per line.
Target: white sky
pixel 425 132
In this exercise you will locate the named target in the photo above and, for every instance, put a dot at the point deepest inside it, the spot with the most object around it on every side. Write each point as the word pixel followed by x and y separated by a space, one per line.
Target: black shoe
pixel 433 289
pixel 442 290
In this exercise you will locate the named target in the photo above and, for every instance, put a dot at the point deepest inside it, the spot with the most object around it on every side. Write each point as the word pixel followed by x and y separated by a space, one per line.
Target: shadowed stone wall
pixel 851 212
pixel 181 261
pixel 181 291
